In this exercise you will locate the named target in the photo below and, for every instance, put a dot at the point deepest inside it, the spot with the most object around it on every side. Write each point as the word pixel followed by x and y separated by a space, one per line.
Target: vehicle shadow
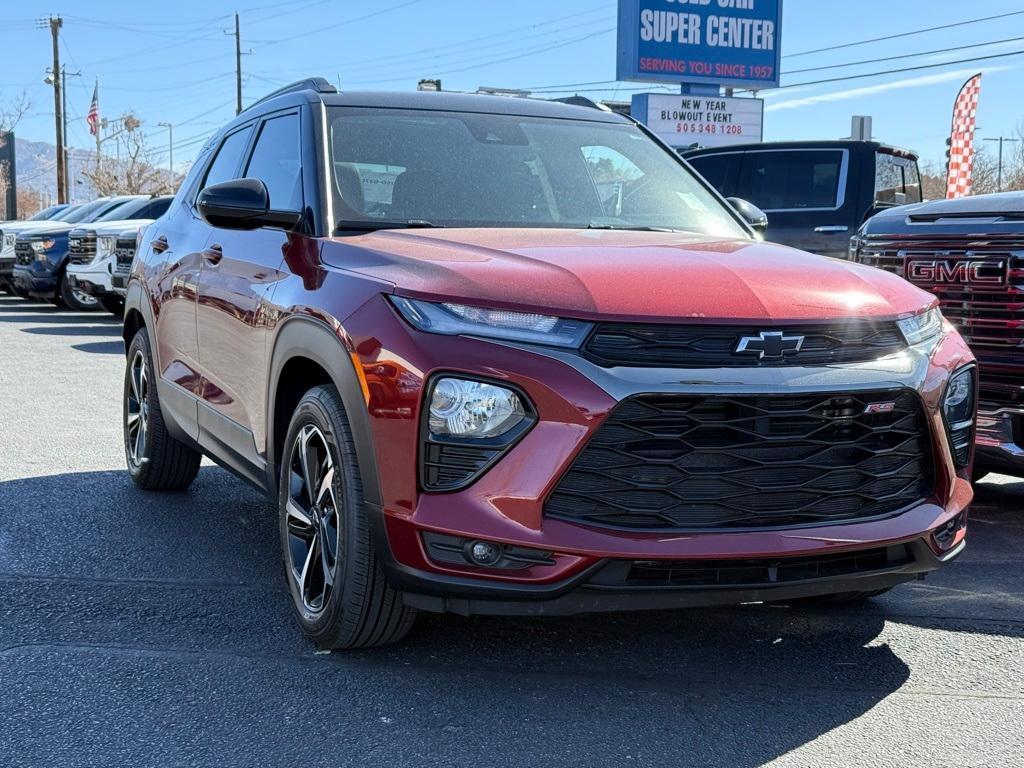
pixel 78 329
pixel 200 572
pixel 101 347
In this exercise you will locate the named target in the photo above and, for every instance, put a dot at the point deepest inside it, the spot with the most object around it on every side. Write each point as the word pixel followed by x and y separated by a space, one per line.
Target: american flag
pixel 93 118
pixel 961 139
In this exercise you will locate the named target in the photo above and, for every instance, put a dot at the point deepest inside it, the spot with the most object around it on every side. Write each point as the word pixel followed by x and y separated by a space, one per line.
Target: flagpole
pixel 97 93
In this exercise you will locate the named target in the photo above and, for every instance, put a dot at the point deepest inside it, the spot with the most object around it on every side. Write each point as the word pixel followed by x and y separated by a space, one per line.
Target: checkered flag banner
pixel 961 139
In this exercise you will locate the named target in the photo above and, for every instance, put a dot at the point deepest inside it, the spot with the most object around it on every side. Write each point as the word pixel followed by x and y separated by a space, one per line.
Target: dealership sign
pixel 713 42
pixel 711 121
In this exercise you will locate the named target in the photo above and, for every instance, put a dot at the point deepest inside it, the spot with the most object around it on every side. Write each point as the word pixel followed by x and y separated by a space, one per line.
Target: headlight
pixel 461 319
pixel 41 247
pixel 922 327
pixel 475 409
pixel 105 245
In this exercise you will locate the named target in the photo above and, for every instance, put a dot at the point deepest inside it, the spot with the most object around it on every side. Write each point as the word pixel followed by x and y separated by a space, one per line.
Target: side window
pixel 896 180
pixel 225 165
pixel 155 210
pixel 720 171
pixel 276 162
pixel 793 179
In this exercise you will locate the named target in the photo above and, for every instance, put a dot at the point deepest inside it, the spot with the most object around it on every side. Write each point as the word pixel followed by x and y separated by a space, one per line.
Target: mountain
pixel 37 169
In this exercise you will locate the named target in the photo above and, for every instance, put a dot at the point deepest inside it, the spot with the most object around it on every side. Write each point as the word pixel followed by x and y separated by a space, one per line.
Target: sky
pixel 178 67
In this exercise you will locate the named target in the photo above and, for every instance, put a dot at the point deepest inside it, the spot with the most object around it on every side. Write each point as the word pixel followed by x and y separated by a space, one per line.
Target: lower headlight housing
pixel 959 403
pixel 467 425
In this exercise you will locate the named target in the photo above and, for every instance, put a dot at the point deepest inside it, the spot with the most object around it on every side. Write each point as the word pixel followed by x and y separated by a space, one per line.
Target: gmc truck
pixel 816 193
pixel 970 253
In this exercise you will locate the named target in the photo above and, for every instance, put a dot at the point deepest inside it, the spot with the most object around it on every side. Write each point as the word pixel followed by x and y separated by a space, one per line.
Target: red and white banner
pixel 961 139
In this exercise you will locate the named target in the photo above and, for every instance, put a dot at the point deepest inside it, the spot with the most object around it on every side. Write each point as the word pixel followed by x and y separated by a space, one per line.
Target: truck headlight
pixel 105 245
pixel 461 319
pixel 958 406
pixel 474 409
pixel 40 247
pixel 922 327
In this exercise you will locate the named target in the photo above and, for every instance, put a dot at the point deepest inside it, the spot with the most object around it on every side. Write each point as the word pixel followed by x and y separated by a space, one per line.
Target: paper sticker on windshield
pixel 692 202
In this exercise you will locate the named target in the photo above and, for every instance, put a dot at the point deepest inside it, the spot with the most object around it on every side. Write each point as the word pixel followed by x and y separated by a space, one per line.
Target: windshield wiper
pixel 631 228
pixel 369 225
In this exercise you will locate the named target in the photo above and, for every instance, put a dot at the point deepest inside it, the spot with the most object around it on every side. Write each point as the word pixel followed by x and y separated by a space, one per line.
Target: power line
pixel 904 34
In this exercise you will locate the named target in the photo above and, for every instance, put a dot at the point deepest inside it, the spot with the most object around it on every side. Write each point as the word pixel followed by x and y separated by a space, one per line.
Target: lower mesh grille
pixel 446 467
pixel 759 461
pixel 760 572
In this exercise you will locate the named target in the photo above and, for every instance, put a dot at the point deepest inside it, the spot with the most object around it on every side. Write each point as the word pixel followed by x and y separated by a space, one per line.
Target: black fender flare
pixel 315 340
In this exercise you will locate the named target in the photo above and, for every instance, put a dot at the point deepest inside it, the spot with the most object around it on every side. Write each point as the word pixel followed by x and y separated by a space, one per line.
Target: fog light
pixel 484 553
pixel 476 409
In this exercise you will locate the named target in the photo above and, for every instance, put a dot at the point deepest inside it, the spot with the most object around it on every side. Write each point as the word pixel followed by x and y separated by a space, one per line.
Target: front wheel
pixel 73 298
pixel 339 592
pixel 112 304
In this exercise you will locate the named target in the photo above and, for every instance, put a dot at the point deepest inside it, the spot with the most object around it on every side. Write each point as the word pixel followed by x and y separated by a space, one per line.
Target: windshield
pixel 47 213
pixel 452 169
pixel 85 212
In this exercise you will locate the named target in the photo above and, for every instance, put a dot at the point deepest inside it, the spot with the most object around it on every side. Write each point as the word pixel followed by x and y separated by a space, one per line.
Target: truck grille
pixel 23 253
pixel 124 254
pixel 989 314
pixel 714 346
pixel 81 247
pixel 670 462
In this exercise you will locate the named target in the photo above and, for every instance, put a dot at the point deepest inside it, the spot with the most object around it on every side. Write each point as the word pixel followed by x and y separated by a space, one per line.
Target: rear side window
pixel 720 171
pixel 896 179
pixel 225 165
pixel 155 209
pixel 276 162
pixel 795 179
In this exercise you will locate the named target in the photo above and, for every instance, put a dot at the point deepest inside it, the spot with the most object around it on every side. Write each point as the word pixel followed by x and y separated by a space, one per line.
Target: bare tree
pixel 12 112
pixel 134 173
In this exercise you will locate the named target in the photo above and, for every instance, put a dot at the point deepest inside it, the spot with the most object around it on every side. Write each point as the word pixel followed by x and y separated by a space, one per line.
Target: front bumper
pixel 91 280
pixel 999 444
pixel 43 284
pixel 572 398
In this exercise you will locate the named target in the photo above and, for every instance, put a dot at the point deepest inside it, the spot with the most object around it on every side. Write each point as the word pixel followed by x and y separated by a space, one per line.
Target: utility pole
pixel 999 173
pixel 238 66
pixel 58 107
pixel 170 145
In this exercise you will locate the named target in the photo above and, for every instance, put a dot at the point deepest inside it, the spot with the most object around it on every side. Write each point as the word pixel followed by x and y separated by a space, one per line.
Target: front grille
pixel 23 253
pixel 714 346
pixel 751 573
pixel 81 247
pixel 669 462
pixel 447 466
pixel 990 316
pixel 124 254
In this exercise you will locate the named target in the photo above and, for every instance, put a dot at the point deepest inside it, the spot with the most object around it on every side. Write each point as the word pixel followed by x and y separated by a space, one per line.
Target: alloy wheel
pixel 137 411
pixel 312 519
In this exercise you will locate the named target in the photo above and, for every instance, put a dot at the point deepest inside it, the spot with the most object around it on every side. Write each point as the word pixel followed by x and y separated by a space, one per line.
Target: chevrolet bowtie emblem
pixel 772 344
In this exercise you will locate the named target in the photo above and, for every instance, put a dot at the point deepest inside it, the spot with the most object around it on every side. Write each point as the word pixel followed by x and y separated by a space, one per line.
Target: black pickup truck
pixel 816 193
pixel 970 253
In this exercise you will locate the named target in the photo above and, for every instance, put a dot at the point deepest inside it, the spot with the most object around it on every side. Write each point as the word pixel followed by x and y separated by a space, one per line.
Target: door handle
pixel 832 228
pixel 159 244
pixel 213 254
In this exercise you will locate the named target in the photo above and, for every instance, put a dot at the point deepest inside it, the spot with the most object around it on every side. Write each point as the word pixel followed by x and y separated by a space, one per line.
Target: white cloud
pixel 871 90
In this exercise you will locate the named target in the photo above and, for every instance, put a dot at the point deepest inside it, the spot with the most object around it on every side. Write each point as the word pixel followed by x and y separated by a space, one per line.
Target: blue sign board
pixel 716 42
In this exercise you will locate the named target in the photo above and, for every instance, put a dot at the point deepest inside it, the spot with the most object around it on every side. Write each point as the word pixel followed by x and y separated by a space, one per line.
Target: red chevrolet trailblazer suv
pixel 496 355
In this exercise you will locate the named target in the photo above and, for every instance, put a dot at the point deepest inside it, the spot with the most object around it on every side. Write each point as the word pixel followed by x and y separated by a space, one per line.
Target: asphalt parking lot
pixel 154 630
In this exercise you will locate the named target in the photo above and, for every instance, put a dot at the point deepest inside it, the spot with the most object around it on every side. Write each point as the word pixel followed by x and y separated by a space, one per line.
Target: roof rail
pixel 318 84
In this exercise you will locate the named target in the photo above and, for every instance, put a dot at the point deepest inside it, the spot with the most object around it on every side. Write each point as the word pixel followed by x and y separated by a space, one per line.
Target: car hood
pixel 17 227
pixel 630 275
pixel 116 227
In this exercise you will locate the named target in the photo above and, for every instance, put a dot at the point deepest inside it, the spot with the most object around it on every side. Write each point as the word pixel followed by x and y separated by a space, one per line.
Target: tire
pixel 156 461
pixel 342 601
pixel 112 304
pixel 845 597
pixel 75 300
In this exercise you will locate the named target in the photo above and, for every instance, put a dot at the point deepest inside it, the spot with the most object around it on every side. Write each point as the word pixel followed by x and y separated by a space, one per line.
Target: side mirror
pixel 242 204
pixel 750 213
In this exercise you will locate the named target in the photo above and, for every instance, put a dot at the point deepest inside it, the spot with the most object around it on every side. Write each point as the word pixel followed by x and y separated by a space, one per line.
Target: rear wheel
pixel 73 298
pixel 112 304
pixel 338 589
pixel 156 460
